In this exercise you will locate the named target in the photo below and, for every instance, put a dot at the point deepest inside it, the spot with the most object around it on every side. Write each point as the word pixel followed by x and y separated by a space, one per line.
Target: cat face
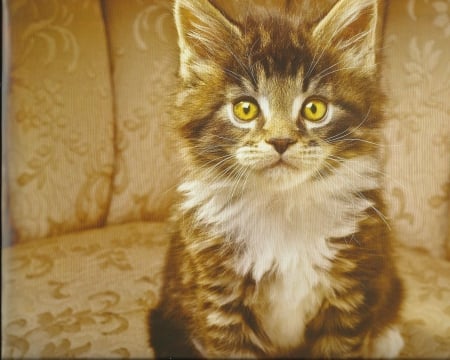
pixel 278 125
pixel 266 97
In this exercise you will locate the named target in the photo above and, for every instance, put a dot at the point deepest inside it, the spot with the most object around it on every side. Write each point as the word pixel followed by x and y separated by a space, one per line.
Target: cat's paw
pixel 387 345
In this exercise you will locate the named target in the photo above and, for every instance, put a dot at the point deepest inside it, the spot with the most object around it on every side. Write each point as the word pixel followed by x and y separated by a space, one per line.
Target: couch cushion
pixel 426 311
pixel 87 295
pixel 59 121
pixel 82 295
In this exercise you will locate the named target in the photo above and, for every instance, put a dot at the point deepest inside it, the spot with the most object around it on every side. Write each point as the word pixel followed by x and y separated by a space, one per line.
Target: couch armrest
pixel 59 121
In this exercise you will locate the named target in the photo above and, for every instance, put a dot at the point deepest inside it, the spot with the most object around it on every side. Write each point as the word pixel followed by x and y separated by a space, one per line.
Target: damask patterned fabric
pixel 144 60
pixel 60 123
pixel 84 295
pixel 87 296
pixel 417 146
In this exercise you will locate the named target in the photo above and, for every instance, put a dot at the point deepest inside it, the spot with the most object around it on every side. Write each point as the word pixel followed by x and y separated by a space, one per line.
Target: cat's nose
pixel 281 144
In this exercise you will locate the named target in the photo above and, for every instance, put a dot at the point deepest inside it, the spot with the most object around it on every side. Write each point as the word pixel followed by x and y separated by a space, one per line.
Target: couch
pixel 89 173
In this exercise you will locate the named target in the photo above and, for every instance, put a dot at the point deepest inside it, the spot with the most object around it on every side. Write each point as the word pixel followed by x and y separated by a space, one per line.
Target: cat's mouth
pixel 295 164
pixel 287 171
pixel 280 163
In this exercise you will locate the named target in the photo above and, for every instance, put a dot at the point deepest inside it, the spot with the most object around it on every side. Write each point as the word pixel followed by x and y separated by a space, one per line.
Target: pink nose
pixel 281 144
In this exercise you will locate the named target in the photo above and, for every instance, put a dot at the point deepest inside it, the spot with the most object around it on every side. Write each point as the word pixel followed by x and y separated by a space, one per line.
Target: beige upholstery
pixel 60 128
pixel 87 295
pixel 89 94
pixel 144 62
pixel 82 295
pixel 417 149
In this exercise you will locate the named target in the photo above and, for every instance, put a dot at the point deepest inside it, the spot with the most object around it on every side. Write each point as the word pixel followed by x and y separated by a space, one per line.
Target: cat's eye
pixel 246 110
pixel 314 110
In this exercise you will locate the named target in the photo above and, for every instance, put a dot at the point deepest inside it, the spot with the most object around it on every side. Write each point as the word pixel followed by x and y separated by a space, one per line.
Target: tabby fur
pixel 279 246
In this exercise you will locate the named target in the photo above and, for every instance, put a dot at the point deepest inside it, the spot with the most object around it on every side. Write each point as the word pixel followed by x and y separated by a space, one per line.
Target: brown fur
pixel 203 296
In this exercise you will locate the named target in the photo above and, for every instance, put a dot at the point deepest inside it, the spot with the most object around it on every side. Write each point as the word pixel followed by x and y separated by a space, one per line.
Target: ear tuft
pixel 351 25
pixel 202 28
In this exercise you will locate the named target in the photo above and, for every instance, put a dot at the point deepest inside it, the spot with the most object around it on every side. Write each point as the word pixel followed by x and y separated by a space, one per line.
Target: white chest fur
pixel 289 298
pixel 288 257
pixel 283 236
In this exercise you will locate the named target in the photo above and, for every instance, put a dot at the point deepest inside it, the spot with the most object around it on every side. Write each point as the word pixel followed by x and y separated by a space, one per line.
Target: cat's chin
pixel 284 175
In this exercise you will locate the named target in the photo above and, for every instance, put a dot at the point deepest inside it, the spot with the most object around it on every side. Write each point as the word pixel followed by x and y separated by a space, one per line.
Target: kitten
pixel 279 246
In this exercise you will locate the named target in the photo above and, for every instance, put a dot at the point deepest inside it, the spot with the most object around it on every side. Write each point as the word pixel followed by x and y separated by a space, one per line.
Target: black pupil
pixel 313 108
pixel 246 109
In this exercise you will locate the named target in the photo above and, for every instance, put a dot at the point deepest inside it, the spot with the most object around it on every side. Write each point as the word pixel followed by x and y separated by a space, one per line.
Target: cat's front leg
pixel 228 330
pixel 169 338
pixel 387 345
pixel 334 333
pixel 347 334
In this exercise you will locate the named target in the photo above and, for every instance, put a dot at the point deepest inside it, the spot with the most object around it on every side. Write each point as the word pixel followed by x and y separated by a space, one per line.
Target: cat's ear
pixel 352 26
pixel 202 30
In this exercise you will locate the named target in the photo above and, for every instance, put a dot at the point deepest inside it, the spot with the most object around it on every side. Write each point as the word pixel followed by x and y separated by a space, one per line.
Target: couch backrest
pixel 62 175
pixel 417 147
pixel 144 62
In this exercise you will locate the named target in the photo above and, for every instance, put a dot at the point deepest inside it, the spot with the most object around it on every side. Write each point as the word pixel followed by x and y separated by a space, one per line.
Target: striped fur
pixel 278 253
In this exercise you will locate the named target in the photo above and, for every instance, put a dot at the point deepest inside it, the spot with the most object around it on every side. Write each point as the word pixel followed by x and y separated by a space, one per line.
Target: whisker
pixel 232 74
pixel 314 62
pixel 371 142
pixel 354 39
pixel 241 173
pixel 348 131
pixel 211 169
pixel 362 197
pixel 328 68
pixel 385 175
pixel 334 71
pixel 377 211
pixel 231 141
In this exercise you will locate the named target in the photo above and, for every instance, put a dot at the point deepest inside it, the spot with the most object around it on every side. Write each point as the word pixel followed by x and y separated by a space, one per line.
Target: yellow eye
pixel 314 110
pixel 246 110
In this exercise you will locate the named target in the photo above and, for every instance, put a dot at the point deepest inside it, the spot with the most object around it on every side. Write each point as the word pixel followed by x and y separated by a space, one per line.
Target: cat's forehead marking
pixel 265 106
pixel 296 106
pixel 274 108
pixel 281 97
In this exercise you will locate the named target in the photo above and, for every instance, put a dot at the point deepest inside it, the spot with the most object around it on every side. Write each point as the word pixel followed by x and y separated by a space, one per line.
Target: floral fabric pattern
pixel 84 295
pixel 144 60
pixel 426 311
pixel 59 144
pixel 417 148
pixel 73 163
pixel 87 295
